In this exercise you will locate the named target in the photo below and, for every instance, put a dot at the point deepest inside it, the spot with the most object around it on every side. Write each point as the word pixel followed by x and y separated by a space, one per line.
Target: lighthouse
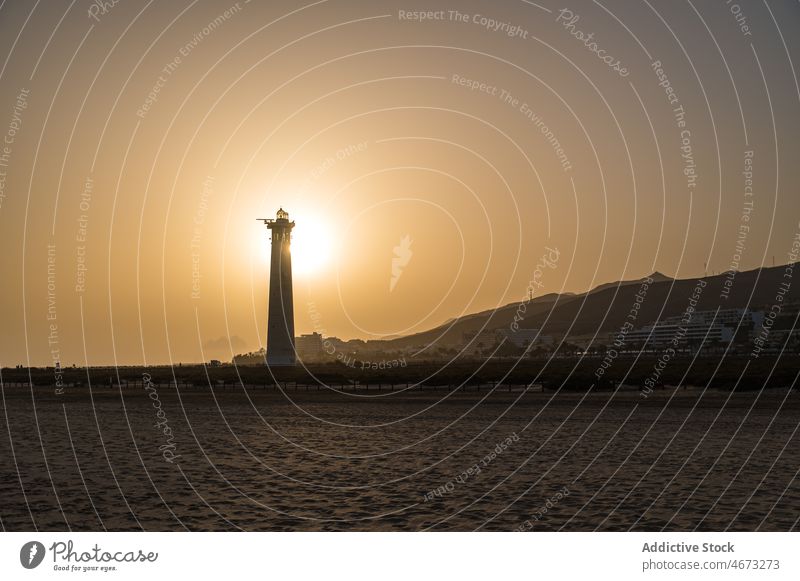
pixel 280 321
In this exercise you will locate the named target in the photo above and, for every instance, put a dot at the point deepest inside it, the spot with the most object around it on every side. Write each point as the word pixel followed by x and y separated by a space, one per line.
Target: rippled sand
pixel 325 461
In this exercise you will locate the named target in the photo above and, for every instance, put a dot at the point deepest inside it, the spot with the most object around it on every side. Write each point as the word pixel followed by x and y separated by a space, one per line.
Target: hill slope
pixel 605 308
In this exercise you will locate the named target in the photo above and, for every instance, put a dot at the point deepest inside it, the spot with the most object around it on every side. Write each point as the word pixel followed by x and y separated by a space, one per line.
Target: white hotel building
pixel 706 327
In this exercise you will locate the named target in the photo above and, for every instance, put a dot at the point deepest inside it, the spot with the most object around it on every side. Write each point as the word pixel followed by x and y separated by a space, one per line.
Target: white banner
pixel 399 556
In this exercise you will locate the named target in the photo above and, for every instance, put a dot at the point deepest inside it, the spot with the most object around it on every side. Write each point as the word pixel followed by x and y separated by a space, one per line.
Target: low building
pixel 309 347
pixel 706 328
pixel 663 334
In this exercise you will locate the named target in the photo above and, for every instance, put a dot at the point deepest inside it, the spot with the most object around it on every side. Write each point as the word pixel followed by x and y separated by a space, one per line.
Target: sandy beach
pixel 310 461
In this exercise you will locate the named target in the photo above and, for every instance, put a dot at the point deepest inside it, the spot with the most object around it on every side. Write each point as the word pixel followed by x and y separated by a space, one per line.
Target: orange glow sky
pixel 356 120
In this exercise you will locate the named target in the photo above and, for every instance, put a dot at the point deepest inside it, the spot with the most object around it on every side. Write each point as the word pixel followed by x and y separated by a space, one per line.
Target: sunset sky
pixel 142 142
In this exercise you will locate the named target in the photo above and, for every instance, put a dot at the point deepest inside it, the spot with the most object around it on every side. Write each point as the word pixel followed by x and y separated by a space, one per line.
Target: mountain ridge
pixel 605 308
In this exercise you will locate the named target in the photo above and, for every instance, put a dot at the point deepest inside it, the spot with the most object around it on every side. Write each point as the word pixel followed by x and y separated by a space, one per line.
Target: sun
pixel 312 245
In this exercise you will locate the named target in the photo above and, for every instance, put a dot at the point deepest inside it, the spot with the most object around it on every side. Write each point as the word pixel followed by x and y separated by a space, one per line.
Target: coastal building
pixel 669 333
pixel 706 328
pixel 309 347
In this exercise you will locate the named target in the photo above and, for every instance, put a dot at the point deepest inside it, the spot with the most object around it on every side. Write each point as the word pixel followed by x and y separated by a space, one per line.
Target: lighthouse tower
pixel 280 323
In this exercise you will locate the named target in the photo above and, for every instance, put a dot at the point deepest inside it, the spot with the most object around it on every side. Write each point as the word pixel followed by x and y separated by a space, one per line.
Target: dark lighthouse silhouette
pixel 280 322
